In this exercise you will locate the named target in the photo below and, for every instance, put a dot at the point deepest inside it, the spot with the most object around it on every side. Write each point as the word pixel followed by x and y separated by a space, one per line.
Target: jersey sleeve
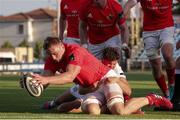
pixel 75 58
pixel 50 65
pixel 119 10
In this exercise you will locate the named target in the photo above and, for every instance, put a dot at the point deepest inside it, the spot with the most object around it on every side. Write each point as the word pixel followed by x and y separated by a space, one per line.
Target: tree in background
pixel 7 44
pixel 24 43
pixel 38 49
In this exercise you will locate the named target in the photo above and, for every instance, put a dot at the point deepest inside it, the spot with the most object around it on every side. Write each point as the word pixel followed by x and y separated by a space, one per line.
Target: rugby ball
pixel 31 86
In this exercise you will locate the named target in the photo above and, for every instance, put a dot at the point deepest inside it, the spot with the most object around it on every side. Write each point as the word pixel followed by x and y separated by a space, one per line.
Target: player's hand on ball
pixel 30 85
pixel 40 79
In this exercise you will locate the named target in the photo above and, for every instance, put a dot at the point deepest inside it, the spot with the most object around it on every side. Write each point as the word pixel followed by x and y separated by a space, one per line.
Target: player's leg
pixel 167 41
pixel 72 106
pixel 65 97
pixel 134 104
pixel 152 45
pixel 159 76
pixel 93 102
pixel 114 95
pixel 115 101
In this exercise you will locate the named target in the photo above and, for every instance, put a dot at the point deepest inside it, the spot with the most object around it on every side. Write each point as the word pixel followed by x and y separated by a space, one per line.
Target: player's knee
pixel 91 106
pixel 92 109
pixel 168 57
pixel 152 54
pixel 116 106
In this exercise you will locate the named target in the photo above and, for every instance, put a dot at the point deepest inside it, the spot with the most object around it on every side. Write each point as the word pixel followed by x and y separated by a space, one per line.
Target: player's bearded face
pixel 56 52
pixel 110 64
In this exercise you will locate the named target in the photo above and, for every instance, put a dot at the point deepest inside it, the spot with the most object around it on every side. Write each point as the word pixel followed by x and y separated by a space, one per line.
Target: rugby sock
pixel 151 101
pixel 162 84
pixel 171 76
pixel 176 96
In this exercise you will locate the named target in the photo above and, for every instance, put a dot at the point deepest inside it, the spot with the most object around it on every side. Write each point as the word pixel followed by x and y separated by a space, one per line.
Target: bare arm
pixel 125 86
pixel 122 82
pixel 63 78
pixel 124 32
pixel 47 73
pixel 83 32
pixel 62 26
pixel 129 4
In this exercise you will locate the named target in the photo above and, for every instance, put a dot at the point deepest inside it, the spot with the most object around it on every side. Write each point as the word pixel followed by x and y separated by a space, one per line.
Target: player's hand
pixel 40 79
pixel 126 50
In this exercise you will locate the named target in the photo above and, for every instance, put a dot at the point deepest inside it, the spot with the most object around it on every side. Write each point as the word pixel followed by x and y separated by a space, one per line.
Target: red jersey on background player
pixel 70 16
pixel 100 24
pixel 157 14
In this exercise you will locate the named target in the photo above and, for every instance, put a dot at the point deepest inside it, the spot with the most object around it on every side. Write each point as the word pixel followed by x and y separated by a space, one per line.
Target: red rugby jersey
pixel 92 70
pixel 70 9
pixel 157 14
pixel 102 22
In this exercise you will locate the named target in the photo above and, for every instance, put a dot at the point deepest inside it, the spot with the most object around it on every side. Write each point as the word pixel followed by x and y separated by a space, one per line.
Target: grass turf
pixel 15 103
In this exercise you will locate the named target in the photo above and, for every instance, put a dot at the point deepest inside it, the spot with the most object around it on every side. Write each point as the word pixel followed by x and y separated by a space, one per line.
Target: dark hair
pixel 50 41
pixel 111 53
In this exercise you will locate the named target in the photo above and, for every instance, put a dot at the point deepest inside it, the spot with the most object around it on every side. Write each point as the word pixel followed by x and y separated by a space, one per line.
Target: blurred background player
pixel 102 25
pixel 158 30
pixel 69 18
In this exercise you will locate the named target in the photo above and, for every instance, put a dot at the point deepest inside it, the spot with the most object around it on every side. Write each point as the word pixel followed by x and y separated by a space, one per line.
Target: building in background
pixel 31 26
pixel 16 55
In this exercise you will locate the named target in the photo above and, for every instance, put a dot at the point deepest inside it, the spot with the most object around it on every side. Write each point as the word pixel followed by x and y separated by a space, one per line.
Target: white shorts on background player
pixel 97 49
pixel 70 40
pixel 154 40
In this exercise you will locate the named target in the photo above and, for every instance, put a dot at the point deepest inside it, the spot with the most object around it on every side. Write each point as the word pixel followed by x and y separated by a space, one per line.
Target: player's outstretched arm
pixel 63 78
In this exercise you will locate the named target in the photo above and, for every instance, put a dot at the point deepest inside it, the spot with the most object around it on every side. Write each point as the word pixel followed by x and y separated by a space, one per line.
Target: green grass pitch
pixel 15 103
